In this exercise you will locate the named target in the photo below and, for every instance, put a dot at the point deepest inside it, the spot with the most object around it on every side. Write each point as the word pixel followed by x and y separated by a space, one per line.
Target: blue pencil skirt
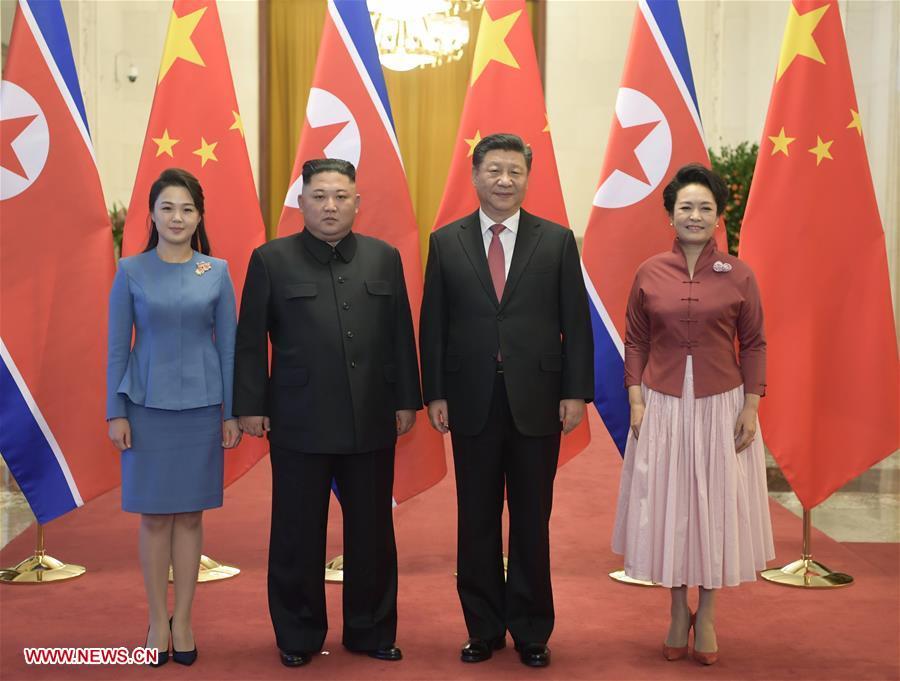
pixel 175 463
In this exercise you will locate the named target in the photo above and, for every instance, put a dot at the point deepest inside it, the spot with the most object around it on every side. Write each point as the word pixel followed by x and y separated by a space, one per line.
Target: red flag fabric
pixel 813 236
pixel 505 95
pixel 56 263
pixel 348 116
pixel 195 124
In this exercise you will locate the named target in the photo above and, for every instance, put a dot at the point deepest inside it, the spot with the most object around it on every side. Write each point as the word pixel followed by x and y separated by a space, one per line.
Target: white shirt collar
pixel 511 223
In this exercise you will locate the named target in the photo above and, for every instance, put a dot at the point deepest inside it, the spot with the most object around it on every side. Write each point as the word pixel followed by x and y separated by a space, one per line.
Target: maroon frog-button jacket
pixel 671 315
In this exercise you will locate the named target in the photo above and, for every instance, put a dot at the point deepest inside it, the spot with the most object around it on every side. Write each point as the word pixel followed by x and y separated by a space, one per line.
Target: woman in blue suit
pixel 169 397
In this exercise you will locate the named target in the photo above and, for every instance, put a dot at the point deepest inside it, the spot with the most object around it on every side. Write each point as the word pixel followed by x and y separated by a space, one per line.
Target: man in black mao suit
pixel 344 384
pixel 507 363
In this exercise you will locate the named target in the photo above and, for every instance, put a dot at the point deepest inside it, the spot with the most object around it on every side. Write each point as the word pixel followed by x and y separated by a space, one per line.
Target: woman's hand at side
pixel 120 433
pixel 745 428
pixel 231 434
pixel 636 402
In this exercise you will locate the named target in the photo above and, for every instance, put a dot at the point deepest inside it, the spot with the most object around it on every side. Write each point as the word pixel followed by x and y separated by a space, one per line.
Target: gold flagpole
pixel 807 573
pixel 40 567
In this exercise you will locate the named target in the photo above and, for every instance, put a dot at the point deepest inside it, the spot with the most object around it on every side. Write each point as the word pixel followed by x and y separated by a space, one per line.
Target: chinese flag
pixel 195 124
pixel 813 236
pixel 505 95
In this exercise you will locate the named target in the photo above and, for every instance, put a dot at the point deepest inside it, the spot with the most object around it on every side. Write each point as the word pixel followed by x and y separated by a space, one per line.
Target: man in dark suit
pixel 343 385
pixel 507 363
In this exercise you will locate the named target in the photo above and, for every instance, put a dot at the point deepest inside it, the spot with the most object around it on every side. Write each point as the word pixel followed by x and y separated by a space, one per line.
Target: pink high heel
pixel 674 654
pixel 701 657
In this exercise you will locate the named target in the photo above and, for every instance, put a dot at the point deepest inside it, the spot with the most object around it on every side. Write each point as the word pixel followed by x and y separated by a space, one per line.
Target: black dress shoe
pixel 162 656
pixel 481 649
pixel 185 657
pixel 294 659
pixel 388 654
pixel 534 654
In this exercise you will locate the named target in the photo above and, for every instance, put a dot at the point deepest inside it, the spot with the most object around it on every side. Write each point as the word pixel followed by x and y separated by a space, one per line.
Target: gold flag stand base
pixel 334 570
pixel 40 567
pixel 807 573
pixel 620 577
pixel 211 571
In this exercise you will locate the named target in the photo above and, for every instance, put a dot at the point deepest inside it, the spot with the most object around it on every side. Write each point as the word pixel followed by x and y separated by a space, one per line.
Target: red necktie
pixel 496 261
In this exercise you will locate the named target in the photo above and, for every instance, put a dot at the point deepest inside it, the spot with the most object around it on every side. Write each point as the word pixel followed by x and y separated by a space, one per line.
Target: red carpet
pixel 603 630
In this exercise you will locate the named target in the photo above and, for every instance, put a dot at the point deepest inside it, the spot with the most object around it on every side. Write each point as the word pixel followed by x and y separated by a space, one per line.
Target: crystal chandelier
pixel 419 33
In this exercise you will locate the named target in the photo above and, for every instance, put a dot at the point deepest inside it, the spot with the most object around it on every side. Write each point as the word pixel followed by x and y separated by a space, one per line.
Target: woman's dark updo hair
pixel 694 173
pixel 176 177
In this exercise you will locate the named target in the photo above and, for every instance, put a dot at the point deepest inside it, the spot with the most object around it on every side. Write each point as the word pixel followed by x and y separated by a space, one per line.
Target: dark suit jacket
pixel 343 349
pixel 542 326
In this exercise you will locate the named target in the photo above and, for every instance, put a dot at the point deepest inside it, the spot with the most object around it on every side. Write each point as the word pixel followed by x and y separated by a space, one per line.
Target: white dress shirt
pixel 507 236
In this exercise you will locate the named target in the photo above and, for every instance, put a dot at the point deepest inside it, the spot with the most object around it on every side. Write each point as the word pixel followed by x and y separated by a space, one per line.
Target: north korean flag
pixel 56 265
pixel 656 129
pixel 348 116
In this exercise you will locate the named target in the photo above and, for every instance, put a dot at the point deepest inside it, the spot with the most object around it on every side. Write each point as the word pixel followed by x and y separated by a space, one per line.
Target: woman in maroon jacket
pixel 693 508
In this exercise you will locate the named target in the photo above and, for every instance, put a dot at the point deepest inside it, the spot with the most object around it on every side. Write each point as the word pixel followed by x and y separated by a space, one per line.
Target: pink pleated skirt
pixel 691 510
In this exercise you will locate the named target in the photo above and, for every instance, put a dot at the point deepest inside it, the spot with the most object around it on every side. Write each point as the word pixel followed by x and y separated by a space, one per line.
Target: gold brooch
pixel 202 267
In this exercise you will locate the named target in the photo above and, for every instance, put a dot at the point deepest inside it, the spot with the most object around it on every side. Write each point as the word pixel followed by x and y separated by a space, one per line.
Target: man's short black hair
pixel 314 166
pixel 694 173
pixel 504 141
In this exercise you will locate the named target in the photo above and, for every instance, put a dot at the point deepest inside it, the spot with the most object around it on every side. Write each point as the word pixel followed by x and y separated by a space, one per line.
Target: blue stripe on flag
pixel 610 395
pixel 49 17
pixel 29 456
pixel 355 15
pixel 668 18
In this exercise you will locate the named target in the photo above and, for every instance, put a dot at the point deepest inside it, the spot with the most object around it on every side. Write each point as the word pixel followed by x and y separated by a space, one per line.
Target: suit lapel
pixel 527 240
pixel 473 245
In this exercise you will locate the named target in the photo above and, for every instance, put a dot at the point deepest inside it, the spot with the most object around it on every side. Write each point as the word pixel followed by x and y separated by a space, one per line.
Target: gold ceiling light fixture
pixel 418 33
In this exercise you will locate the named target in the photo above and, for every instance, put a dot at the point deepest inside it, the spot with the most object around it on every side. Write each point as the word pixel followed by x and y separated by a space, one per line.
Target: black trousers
pixel 301 487
pixel 500 455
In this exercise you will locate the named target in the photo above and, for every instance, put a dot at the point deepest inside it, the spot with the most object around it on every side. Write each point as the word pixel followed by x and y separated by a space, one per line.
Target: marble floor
pixel 867 509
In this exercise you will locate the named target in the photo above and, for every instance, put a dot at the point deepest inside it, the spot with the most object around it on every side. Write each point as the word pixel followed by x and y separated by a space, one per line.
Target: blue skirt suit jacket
pixel 170 372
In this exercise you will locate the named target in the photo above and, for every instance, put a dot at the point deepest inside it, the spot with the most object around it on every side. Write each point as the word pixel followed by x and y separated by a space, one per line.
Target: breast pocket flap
pixel 307 290
pixel 379 288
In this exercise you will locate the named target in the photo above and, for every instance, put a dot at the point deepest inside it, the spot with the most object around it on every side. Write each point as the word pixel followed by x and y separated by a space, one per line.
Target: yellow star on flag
pixel 821 150
pixel 491 45
pixel 781 142
pixel 165 144
pixel 206 152
pixel 546 127
pixel 178 41
pixel 855 122
pixel 798 39
pixel 238 123
pixel 473 142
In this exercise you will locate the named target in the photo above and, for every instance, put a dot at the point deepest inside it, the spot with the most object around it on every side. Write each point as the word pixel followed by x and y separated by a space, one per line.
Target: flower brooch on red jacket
pixel 203 267
pixel 719 266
